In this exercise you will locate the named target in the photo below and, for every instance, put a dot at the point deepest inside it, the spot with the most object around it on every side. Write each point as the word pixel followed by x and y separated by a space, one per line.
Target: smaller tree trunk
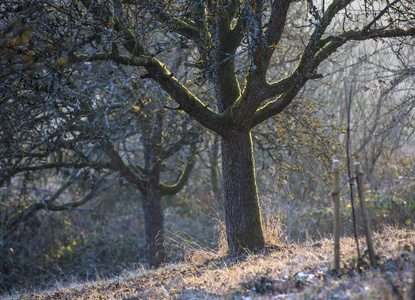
pixel 154 227
pixel 152 206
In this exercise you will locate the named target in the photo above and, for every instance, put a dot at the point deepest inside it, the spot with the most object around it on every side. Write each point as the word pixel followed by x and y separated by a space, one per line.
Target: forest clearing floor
pixel 293 271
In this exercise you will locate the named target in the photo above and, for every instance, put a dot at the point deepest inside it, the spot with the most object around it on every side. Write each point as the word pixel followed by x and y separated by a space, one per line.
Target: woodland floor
pixel 294 271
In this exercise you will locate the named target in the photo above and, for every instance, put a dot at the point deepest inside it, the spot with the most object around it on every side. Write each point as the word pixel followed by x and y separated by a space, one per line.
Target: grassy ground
pixel 293 271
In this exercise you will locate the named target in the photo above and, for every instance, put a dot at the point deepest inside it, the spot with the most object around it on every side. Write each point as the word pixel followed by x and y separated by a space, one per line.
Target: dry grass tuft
pixel 199 257
pixel 273 231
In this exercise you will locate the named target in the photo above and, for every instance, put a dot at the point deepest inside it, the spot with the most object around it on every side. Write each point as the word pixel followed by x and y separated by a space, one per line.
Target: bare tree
pixel 99 126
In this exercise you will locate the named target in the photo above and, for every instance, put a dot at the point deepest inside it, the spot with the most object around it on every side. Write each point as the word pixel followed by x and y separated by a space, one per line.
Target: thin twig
pixel 367 27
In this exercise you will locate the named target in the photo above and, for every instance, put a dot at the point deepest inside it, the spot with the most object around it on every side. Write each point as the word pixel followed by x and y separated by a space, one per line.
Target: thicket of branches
pixel 96 95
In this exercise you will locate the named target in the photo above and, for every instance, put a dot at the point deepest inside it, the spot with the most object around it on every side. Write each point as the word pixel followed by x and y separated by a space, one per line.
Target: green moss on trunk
pixel 243 217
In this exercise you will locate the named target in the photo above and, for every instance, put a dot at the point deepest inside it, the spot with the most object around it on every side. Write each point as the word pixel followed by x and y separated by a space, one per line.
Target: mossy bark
pixel 243 217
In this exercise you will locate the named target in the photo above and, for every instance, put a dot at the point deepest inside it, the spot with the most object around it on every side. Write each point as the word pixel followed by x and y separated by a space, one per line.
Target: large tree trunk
pixel 243 217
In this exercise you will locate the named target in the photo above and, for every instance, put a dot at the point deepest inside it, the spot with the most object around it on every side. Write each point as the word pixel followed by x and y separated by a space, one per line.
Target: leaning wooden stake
pixel 360 190
pixel 336 200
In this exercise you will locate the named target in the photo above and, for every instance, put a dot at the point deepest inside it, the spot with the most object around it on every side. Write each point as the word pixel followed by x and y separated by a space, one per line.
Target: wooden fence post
pixel 336 201
pixel 360 190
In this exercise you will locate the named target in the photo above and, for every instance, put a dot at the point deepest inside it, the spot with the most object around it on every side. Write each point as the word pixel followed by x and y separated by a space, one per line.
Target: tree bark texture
pixel 242 212
pixel 152 206
pixel 154 227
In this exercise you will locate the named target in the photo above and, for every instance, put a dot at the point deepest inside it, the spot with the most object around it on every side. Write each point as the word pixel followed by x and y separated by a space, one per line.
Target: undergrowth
pixel 292 271
pixel 106 239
